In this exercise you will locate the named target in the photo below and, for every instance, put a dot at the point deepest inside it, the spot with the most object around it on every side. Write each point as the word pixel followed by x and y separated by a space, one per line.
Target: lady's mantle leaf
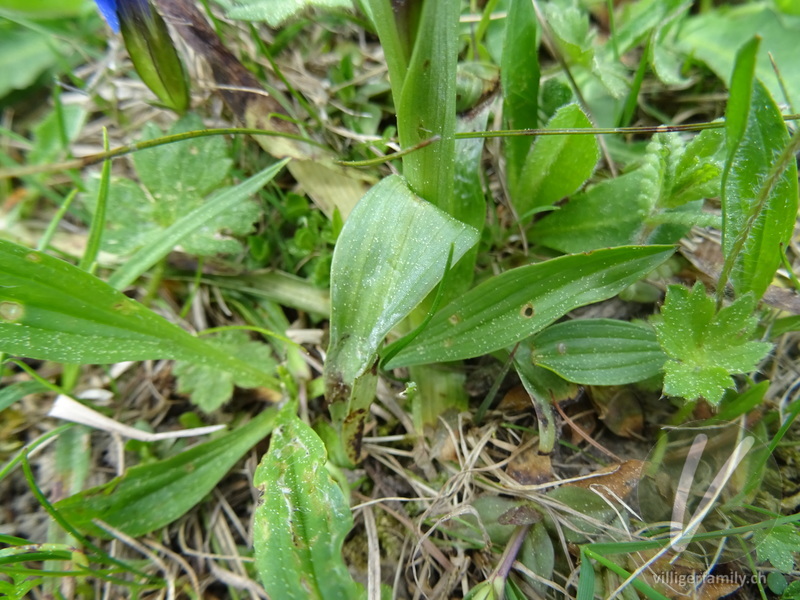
pixel 706 347
pixel 211 386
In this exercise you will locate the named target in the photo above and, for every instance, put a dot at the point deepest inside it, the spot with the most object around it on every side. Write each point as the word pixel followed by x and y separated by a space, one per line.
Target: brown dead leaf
pixel 619 409
pixel 619 480
pixel 530 468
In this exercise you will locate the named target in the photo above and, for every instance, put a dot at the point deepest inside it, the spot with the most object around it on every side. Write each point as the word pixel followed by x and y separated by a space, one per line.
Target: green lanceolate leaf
pixel 557 165
pixel 598 351
pixel 518 303
pixel 151 496
pixel 302 520
pixel 51 310
pixel 391 253
pixel 426 106
pixel 706 347
pixel 520 81
pixel 759 197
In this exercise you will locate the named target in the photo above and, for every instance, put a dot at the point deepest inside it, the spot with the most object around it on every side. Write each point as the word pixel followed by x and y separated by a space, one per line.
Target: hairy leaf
pixel 706 347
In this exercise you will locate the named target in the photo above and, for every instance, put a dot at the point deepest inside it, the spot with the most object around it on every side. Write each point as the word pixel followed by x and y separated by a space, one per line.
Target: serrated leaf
pixel 779 546
pixel 276 12
pixel 171 171
pixel 683 173
pixel 706 347
pixel 148 497
pixel 209 386
pixel 177 179
pixel 557 165
pixel 598 351
pixel 302 519
pixel 52 310
pixel 570 26
pixel 759 206
pixel 516 304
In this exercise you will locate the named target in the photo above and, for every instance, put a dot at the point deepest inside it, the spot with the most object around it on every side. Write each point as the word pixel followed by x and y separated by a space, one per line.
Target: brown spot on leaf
pixel 527 311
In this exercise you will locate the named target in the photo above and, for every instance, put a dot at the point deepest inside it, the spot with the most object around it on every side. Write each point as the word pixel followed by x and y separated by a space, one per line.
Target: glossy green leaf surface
pixel 557 165
pixel 516 304
pixel 302 519
pixel 759 205
pixel 276 12
pixel 520 82
pixel 150 496
pixel 599 351
pixel 52 310
pixel 391 253
pixel 426 105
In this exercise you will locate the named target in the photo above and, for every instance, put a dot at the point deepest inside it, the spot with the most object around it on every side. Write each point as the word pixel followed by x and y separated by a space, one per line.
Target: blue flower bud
pixel 150 47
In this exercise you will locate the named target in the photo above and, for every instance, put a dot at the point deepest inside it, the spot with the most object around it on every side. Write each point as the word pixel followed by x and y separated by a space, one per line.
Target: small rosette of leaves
pixel 705 346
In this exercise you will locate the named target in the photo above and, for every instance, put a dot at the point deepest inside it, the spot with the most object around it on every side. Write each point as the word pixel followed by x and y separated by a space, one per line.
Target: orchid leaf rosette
pixel 151 49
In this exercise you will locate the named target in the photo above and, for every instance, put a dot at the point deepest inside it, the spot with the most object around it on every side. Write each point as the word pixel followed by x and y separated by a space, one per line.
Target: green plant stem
pixel 48 234
pixel 89 258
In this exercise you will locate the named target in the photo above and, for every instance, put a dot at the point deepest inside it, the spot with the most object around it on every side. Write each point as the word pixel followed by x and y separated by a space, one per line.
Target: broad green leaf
pixel 520 81
pixel 302 519
pixel 391 253
pixel 276 12
pixel 610 213
pixel 658 202
pixel 759 204
pixel 51 310
pixel 715 36
pixel 24 56
pixel 557 165
pixel 518 303
pixel 148 497
pixel 598 351
pixel 706 347
pixel 208 385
